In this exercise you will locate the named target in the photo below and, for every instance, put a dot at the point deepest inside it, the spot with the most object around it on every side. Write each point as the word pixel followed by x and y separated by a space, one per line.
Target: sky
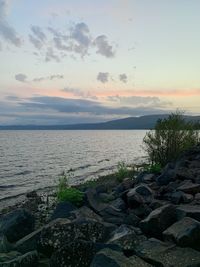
pixel 75 61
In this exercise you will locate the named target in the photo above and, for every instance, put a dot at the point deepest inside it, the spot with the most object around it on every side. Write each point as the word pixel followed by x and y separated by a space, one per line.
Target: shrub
pixel 170 138
pixel 67 193
pixel 153 168
pixel 123 171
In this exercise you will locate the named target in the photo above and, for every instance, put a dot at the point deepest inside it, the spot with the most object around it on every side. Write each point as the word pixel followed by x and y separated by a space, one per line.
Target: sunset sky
pixel 72 61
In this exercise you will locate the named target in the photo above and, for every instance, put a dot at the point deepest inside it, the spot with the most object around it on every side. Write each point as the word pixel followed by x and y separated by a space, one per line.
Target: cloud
pixel 50 55
pixel 123 78
pixel 81 106
pixel 103 77
pixel 77 40
pixel 80 93
pixel 103 47
pixel 37 31
pixel 56 110
pixel 38 37
pixel 7 32
pixel 80 33
pixel 50 78
pixel 37 43
pixel 136 101
pixel 21 77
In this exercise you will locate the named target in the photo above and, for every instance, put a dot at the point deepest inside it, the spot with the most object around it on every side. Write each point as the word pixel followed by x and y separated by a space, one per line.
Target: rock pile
pixel 153 220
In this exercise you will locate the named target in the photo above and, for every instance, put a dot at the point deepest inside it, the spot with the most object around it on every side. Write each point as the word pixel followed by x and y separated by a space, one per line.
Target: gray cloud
pixel 78 40
pixel 103 77
pixel 55 110
pixel 81 106
pixel 7 32
pixel 103 47
pixel 37 31
pixel 81 35
pixel 38 37
pixel 142 101
pixel 50 55
pixel 80 93
pixel 37 43
pixel 123 78
pixel 21 77
pixel 51 77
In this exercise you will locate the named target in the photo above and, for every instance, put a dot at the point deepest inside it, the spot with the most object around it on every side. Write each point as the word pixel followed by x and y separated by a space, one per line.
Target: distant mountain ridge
pixel 130 123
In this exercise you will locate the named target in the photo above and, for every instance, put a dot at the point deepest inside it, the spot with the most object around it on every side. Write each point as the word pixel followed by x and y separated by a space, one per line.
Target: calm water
pixel 33 159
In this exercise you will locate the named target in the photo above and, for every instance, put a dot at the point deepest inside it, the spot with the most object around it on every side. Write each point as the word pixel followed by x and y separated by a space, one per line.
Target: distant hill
pixel 131 123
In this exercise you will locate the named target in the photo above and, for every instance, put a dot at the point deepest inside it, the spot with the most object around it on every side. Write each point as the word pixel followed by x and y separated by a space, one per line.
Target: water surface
pixel 32 160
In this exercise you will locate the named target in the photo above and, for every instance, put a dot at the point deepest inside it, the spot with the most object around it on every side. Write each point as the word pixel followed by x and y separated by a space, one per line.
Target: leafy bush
pixel 153 168
pixel 170 138
pixel 67 193
pixel 122 171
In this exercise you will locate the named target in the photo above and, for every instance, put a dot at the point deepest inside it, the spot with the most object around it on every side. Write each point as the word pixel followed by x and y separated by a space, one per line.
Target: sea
pixel 34 160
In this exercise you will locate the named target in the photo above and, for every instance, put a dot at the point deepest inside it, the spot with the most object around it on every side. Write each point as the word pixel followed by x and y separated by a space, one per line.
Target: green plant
pixel 170 138
pixel 153 168
pixel 122 171
pixel 68 193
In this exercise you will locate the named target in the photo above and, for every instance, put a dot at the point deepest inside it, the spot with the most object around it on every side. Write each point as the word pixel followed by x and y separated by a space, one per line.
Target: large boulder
pixel 114 212
pixel 17 224
pixel 141 194
pixel 77 253
pixel 5 246
pixel 162 254
pixel 62 231
pixel 189 187
pixel 126 237
pixel 29 242
pixel 159 220
pixel 185 233
pixel 94 201
pixel 111 258
pixel 168 174
pixel 86 213
pixel 63 210
pixel 15 259
pixel 189 211
pixel 181 197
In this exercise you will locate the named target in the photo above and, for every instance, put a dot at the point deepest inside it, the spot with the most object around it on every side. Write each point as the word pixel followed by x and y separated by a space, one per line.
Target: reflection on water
pixel 34 159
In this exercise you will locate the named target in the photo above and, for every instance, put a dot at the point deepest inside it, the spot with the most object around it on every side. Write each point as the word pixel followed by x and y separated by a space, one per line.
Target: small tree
pixel 170 137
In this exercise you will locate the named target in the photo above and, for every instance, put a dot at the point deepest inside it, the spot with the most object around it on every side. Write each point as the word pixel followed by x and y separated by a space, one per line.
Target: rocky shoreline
pixel 151 220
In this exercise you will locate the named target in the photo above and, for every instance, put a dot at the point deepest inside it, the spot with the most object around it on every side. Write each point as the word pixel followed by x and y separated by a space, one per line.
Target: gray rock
pixel 29 242
pixel 94 200
pixel 111 258
pixel 145 177
pixel 86 213
pixel 159 220
pixel 113 215
pixel 5 246
pixel 126 238
pixel 14 259
pixel 16 224
pixel 189 211
pixel 77 253
pixel 190 188
pixel 162 254
pixel 62 231
pixel 63 210
pixel 181 197
pixel 141 194
pixel 168 175
pixel 132 219
pixel 185 233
